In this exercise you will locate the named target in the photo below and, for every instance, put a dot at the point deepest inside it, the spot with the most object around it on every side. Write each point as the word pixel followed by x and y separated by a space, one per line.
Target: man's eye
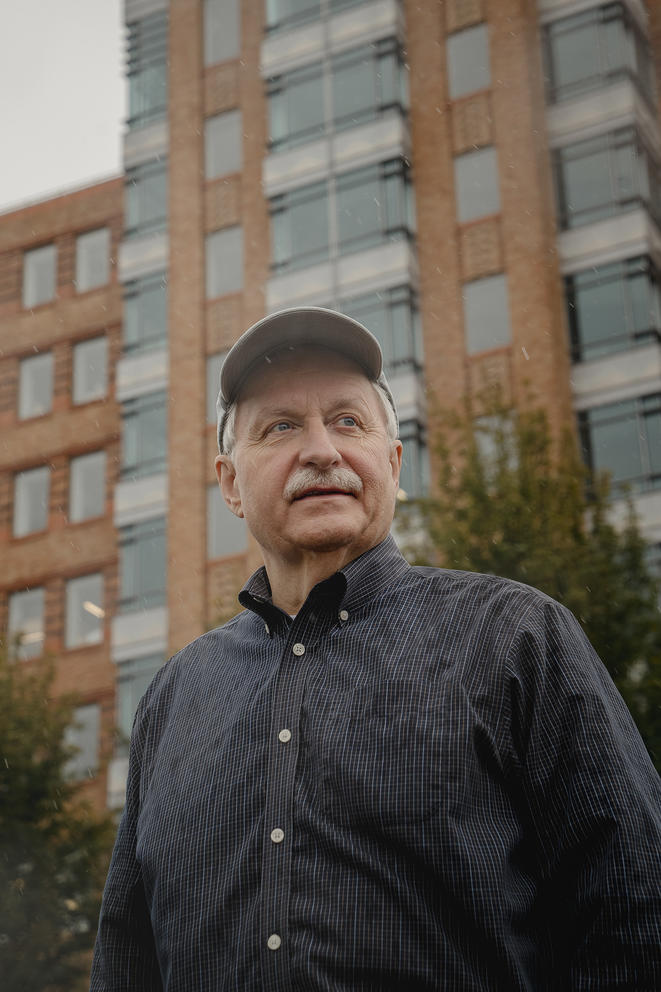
pixel 348 421
pixel 282 425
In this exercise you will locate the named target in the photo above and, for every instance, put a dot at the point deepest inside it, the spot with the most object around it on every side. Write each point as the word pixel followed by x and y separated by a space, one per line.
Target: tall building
pixel 476 180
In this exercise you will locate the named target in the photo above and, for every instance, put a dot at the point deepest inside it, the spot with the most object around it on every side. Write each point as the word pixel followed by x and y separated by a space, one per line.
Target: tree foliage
pixel 512 502
pixel 53 847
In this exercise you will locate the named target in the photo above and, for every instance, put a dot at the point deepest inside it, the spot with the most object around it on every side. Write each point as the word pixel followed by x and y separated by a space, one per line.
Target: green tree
pixel 53 847
pixel 512 502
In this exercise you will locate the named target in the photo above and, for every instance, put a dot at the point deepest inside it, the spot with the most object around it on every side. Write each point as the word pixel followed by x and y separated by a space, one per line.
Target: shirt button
pixel 299 649
pixel 284 736
pixel 266 628
pixel 277 835
pixel 274 942
pixel 344 615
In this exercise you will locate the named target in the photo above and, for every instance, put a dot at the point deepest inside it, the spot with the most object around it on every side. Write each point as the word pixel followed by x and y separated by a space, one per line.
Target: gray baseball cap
pixel 289 329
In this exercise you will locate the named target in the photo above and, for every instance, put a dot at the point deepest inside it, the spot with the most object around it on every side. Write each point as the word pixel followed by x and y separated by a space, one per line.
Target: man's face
pixel 313 469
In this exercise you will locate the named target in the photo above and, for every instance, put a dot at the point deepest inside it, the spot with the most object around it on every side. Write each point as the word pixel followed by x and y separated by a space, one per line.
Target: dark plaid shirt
pixel 426 780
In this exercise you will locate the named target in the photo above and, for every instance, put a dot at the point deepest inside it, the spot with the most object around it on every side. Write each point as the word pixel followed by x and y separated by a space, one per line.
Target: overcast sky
pixel 63 100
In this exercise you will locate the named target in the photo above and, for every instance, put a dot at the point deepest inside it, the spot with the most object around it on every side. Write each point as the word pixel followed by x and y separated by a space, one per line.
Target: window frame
pixel 36 298
pixel 21 499
pixel 644 172
pixel 135 291
pixel 147 52
pixel 76 386
pixel 624 272
pixel 73 628
pixel 86 286
pixel 23 366
pixel 138 219
pixel 145 596
pixel 147 460
pixel 643 408
pixel 76 486
pixel 18 650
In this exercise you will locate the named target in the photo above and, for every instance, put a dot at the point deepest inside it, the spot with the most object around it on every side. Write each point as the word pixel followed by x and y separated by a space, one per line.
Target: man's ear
pixel 396 461
pixel 227 481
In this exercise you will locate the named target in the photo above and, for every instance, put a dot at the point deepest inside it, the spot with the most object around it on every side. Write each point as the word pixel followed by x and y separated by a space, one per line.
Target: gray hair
pixel 227 420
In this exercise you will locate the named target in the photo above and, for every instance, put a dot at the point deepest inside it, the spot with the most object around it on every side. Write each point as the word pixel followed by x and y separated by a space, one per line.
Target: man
pixel 376 777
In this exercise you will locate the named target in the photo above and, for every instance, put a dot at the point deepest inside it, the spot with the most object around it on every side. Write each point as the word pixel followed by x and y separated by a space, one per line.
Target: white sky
pixel 63 101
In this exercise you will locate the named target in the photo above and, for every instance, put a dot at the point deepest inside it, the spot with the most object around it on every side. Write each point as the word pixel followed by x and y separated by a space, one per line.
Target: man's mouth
pixel 322 492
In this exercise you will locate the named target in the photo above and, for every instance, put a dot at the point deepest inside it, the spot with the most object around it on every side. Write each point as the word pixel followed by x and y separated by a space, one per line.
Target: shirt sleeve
pixel 125 957
pixel 594 799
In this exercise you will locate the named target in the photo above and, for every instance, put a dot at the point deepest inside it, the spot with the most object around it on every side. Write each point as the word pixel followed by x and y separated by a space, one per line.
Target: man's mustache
pixel 304 479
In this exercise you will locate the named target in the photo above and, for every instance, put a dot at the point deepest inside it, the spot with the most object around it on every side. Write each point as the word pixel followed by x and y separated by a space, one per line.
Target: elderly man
pixel 376 777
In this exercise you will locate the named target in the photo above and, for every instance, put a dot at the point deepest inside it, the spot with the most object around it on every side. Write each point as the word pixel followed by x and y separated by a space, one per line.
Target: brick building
pixel 476 180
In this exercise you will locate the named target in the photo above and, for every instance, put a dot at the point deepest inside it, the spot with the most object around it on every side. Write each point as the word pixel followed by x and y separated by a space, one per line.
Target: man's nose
pixel 317 447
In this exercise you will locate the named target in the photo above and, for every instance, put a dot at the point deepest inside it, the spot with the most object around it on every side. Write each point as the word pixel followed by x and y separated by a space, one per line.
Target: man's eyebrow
pixel 284 412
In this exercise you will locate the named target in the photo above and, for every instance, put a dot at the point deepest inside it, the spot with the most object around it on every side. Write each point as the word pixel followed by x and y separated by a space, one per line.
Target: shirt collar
pixel 351 586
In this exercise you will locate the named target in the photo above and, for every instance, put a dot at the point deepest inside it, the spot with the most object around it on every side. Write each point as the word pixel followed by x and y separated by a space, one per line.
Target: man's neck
pixel 291 582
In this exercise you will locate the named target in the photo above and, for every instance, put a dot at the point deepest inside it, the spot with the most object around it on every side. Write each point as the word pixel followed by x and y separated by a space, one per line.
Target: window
pixel 83 737
pixel 476 184
pixel 468 61
pixel 39 275
pixel 31 489
pixel 133 678
pixel 221 30
pixel 373 205
pixel 624 439
pixel 296 107
pixel 222 144
pixel 392 317
pixel 145 314
pixel 365 83
pixel 486 314
pixel 143 565
pixel 589 50
pixel 147 69
pixel 224 261
pixel 613 307
pixel 92 259
pixel 287 12
pixel 26 623
pixel 226 533
pixel 214 365
pixel 144 435
pixel 604 176
pixel 413 476
pixel 85 612
pixel 146 198
pixel 35 385
pixel 87 486
pixel 90 364
pixel 299 227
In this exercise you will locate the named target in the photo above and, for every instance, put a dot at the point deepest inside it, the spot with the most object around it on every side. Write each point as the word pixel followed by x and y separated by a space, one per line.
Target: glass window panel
pixel 360 215
pixel 87 486
pixel 222 144
pixel 575 52
pixel 146 199
pixel 354 91
pixel 587 187
pixel 85 611
pixel 146 314
pixel 600 313
pixel 90 370
pixel 92 259
pixel 617 52
pixel 221 30
pixel 133 680
pixel 35 385
pixel 299 227
pixel 468 61
pixel 144 435
pixel 143 565
pixel 214 365
pixel 296 107
pixel 39 271
pixel 476 184
pixel 486 314
pixel 652 434
pixel 226 533
pixel 31 491
pixel 615 445
pixel 26 623
pixel 83 735
pixel 224 261
pixel 281 11
pixel 147 68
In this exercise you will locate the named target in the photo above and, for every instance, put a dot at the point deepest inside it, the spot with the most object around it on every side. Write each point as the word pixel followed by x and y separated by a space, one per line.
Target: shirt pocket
pixel 380 754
